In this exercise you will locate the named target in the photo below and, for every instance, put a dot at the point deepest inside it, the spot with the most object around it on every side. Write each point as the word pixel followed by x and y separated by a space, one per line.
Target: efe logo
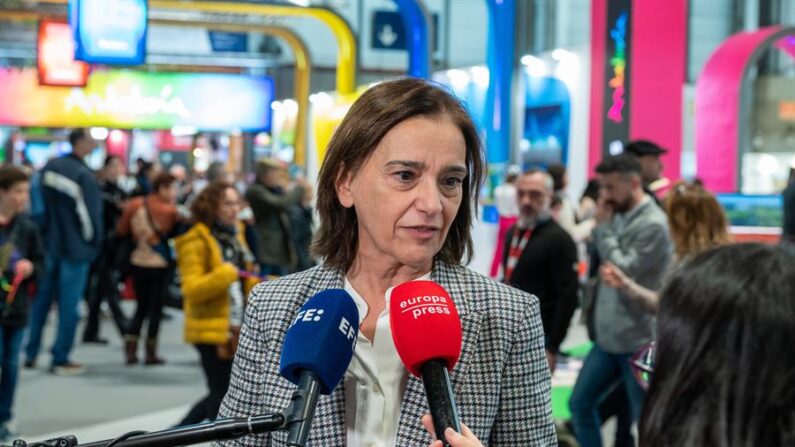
pixel 348 331
pixel 309 315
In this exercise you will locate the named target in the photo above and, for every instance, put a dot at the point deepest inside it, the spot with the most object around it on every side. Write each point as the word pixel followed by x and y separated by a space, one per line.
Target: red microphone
pixel 427 334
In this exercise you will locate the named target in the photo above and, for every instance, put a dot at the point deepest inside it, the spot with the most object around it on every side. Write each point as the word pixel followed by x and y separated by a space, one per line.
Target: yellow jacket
pixel 205 283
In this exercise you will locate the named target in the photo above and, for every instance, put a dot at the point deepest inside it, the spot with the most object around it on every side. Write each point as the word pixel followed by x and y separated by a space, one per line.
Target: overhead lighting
pixel 99 133
pixel 183 131
pixel 534 66
pixel 303 3
pixel 560 54
pixel 116 136
pixel 480 76
pixel 458 78
pixel 290 107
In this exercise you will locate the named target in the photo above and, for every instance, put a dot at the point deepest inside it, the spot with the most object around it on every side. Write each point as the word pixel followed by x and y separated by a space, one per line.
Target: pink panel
pixel 718 108
pixel 659 58
pixel 598 46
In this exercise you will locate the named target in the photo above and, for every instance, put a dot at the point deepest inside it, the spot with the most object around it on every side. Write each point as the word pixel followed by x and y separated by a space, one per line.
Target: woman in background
pixel 150 220
pixel 723 372
pixel 215 265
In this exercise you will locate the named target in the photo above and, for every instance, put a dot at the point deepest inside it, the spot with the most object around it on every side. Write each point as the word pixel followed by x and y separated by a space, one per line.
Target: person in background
pixel 508 210
pixel 103 279
pixel 301 216
pixel 697 224
pixel 147 171
pixel 73 230
pixel 216 267
pixel 651 167
pixel 631 233
pixel 723 364
pixel 396 197
pixel 269 200
pixel 21 261
pixel 150 221
pixel 788 228
pixel 564 211
pixel 541 258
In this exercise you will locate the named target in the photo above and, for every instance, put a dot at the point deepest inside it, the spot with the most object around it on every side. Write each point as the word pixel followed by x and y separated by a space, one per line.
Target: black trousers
pixel 103 286
pixel 217 372
pixel 151 286
pixel 617 404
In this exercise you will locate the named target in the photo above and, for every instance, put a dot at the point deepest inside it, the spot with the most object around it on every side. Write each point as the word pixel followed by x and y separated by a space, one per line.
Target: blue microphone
pixel 317 349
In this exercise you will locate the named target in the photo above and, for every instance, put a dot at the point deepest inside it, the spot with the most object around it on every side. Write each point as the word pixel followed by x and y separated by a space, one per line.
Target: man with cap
pixel 648 153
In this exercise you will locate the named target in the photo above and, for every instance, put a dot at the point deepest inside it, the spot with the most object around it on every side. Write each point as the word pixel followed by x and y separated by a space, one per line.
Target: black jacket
pixel 547 268
pixel 18 240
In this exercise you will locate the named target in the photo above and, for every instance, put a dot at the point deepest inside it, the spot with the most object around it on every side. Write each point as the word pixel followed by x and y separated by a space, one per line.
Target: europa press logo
pixel 425 305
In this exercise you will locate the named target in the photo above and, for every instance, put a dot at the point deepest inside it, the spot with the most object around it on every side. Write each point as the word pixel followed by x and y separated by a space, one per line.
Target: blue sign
pixel 226 42
pixel 389 33
pixel 109 31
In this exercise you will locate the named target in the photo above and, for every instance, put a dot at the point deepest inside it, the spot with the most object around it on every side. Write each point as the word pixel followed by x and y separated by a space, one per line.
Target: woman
pixel 150 221
pixel 213 261
pixel 724 366
pixel 396 194
pixel 21 259
pixel 697 223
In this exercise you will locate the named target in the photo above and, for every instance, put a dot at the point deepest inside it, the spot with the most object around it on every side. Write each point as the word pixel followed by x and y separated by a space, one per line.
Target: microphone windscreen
pixel 321 339
pixel 425 324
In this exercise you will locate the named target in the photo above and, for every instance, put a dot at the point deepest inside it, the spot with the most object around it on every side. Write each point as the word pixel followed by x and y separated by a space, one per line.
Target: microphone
pixel 427 334
pixel 317 349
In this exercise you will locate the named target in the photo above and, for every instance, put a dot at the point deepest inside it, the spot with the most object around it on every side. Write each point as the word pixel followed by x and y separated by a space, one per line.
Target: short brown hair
pixel 375 113
pixel 205 206
pixel 11 175
pixel 162 180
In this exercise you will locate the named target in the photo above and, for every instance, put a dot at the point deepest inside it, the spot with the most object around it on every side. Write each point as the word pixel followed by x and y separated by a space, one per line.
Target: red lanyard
pixel 517 247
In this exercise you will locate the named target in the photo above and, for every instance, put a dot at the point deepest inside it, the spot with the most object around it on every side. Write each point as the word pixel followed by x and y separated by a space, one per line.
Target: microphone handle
pixel 302 409
pixel 222 429
pixel 440 397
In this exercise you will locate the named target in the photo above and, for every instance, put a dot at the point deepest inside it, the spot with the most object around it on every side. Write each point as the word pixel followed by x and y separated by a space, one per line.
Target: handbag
pixel 226 351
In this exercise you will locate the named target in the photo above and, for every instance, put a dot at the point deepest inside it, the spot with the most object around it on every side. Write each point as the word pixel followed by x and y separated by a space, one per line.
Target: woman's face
pixel 407 193
pixel 229 207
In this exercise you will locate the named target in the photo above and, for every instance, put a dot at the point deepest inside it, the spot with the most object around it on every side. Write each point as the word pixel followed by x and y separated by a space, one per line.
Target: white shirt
pixel 374 382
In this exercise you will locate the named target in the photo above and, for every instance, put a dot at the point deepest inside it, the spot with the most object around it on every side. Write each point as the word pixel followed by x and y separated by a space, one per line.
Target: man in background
pixel 73 234
pixel 651 167
pixel 540 258
pixel 632 233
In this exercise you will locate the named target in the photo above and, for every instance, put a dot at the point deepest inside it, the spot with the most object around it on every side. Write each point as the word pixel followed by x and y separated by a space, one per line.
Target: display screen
pixel 109 31
pixel 752 211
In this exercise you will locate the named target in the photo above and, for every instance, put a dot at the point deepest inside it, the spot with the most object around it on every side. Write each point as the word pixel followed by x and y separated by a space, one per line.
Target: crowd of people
pixel 650 264
pixel 68 233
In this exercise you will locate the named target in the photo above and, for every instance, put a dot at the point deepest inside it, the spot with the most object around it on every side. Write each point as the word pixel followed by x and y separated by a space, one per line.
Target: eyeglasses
pixel 643 363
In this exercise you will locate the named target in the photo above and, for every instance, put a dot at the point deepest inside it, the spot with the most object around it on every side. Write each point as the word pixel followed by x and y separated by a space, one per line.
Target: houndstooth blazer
pixel 501 382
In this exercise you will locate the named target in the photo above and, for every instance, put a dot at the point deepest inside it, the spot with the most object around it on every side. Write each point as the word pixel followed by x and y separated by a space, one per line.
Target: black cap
pixel 643 147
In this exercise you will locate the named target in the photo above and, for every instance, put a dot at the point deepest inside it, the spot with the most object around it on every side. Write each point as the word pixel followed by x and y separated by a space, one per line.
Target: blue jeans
pixel 10 345
pixel 64 280
pixel 600 373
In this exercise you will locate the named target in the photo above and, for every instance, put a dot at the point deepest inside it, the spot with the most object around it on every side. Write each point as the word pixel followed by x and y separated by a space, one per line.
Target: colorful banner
pixel 617 75
pixel 109 31
pixel 132 99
